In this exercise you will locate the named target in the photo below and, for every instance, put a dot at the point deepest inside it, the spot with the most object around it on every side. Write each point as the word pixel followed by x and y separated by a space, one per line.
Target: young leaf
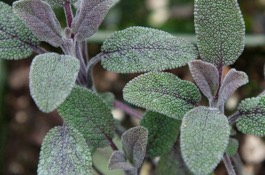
pixel 118 161
pixel 162 92
pixel 206 77
pixel 232 147
pixel 89 17
pixel 64 151
pixel 16 40
pixel 162 132
pixel 252 116
pixel 203 139
pixel 40 18
pixel 220 30
pixel 52 78
pixel 86 111
pixel 58 3
pixel 108 97
pixel 140 49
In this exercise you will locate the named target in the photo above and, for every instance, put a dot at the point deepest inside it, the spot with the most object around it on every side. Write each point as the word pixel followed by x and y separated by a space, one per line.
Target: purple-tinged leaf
pixel 118 161
pixel 40 18
pixel 58 3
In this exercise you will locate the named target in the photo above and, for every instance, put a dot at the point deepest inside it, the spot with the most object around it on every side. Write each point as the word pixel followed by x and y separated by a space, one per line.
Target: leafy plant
pixel 65 82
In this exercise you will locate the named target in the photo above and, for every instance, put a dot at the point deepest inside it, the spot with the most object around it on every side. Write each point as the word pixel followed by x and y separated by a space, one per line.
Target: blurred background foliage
pixel 23 126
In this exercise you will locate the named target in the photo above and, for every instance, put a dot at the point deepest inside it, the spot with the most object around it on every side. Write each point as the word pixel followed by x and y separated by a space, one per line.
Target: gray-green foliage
pixel 87 112
pixel 140 49
pixel 162 92
pixel 16 40
pixel 64 151
pixel 52 77
pixel 220 30
pixel 232 147
pixel 119 161
pixel 204 138
pixel 58 3
pixel 162 132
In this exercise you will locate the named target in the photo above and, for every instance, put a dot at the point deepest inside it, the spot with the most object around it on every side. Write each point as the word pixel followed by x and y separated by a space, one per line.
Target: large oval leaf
pixel 204 138
pixel 220 30
pixel 162 92
pixel 139 49
pixel 52 78
pixel 64 151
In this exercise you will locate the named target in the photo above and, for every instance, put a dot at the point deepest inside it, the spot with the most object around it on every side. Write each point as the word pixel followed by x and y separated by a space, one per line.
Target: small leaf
pixel 162 92
pixel 108 97
pixel 252 116
pixel 89 17
pixel 232 147
pixel 206 77
pixel 162 132
pixel 52 78
pixel 40 18
pixel 58 3
pixel 16 40
pixel 118 161
pixel 140 49
pixel 64 151
pixel 220 30
pixel 204 138
pixel 87 112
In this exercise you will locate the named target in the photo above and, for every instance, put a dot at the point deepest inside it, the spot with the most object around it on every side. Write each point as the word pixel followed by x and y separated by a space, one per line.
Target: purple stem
pixel 228 165
pixel 127 109
pixel 112 144
pixel 68 13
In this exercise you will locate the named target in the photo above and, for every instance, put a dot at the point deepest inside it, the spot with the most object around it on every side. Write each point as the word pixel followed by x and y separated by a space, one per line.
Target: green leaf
pixel 162 132
pixel 204 138
pixel 52 78
pixel 252 116
pixel 108 97
pixel 162 92
pixel 220 30
pixel 232 147
pixel 140 49
pixel 16 40
pixel 58 3
pixel 118 161
pixel 64 151
pixel 87 112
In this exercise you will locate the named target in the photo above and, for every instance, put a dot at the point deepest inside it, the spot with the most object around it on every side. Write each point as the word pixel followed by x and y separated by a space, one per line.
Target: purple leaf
pixel 118 161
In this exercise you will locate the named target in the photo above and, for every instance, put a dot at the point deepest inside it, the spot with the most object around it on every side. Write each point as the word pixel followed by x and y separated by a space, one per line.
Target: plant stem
pixel 38 49
pixel 232 119
pixel 68 13
pixel 238 163
pixel 97 170
pixel 127 109
pixel 228 165
pixel 112 144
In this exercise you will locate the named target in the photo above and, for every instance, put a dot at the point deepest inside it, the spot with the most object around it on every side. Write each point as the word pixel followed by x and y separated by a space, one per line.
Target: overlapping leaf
pixel 59 2
pixel 87 112
pixel 232 147
pixel 119 161
pixel 220 30
pixel 64 151
pixel 204 139
pixel 16 40
pixel 40 18
pixel 162 92
pixel 140 49
pixel 52 78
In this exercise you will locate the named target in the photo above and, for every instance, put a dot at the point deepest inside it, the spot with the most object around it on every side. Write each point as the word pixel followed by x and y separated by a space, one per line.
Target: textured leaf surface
pixel 118 161
pixel 204 138
pixel 52 78
pixel 16 40
pixel 162 132
pixel 40 18
pixel 89 17
pixel 252 116
pixel 64 151
pixel 162 92
pixel 108 97
pixel 59 2
pixel 232 147
pixel 87 112
pixel 140 49
pixel 220 30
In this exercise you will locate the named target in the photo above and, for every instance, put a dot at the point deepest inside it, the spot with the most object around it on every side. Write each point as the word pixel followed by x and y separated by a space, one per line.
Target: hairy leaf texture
pixel 162 132
pixel 232 147
pixel 140 49
pixel 58 3
pixel 89 16
pixel 16 40
pixel 162 92
pixel 220 30
pixel 64 151
pixel 52 77
pixel 40 18
pixel 119 161
pixel 87 112
pixel 204 138
pixel 252 116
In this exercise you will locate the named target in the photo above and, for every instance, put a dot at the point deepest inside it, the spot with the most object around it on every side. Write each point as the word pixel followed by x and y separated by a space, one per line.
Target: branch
pixel 228 165
pixel 128 110
pixel 233 118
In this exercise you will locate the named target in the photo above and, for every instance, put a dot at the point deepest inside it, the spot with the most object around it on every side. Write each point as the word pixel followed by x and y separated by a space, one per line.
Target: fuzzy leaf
pixel 52 78
pixel 16 40
pixel 64 151
pixel 204 138
pixel 140 49
pixel 58 3
pixel 89 17
pixel 108 97
pixel 162 92
pixel 134 143
pixel 87 112
pixel 220 30
pixel 118 161
pixel 162 132
pixel 252 116
pixel 40 18
pixel 232 147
